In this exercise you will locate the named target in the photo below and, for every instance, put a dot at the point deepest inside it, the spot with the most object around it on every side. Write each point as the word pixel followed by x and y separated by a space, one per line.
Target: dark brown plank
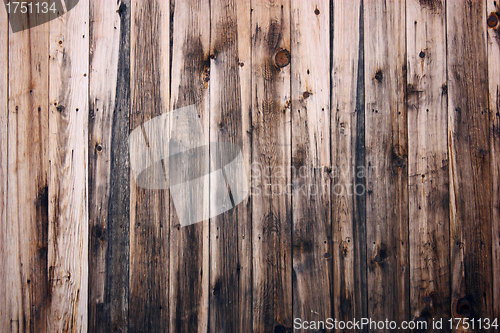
pixel 149 207
pixel 469 151
pixel 109 172
pixel 386 161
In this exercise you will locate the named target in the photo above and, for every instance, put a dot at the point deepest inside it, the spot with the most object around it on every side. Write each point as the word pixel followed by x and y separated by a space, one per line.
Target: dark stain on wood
pixel 432 5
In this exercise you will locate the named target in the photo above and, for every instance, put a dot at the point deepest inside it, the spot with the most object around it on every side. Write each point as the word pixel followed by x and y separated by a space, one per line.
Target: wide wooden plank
pixel 109 184
pixel 68 158
pixel 149 208
pixel 348 167
pixel 4 97
pixel 386 160
pixel 189 245
pixel 493 12
pixel 271 168
pixel 230 115
pixel 428 182
pixel 470 157
pixel 310 113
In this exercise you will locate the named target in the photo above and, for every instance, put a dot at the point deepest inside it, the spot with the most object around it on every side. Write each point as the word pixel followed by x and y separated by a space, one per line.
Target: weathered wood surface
pixel 369 132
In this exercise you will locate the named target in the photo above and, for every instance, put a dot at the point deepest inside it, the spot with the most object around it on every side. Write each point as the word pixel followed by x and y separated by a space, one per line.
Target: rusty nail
pixel 399 162
pixel 306 94
pixel 279 329
pixel 421 54
pixel 492 20
pixel 316 11
pixel 282 58
pixel 464 308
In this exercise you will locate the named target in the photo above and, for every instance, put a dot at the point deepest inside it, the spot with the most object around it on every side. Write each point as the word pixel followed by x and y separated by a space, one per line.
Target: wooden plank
pixel 386 161
pixel 493 30
pixel 149 208
pixel 271 157
pixel 470 157
pixel 109 173
pixel 189 245
pixel 428 188
pixel 348 156
pixel 310 113
pixel 68 158
pixel 230 121
pixel 27 212
pixel 4 98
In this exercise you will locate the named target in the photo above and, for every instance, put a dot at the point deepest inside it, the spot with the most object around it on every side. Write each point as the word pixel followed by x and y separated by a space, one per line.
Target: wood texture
pixel 271 204
pixel 68 232
pixel 149 209
pixel 230 121
pixel 348 155
pixel 189 246
pixel 109 183
pixel 311 163
pixel 386 160
pixel 428 160
pixel 493 8
pixel 470 179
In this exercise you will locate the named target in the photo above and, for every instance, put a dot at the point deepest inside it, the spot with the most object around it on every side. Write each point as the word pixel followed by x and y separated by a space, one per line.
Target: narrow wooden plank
pixel 109 173
pixel 469 151
pixel 271 168
pixel 230 121
pixel 68 158
pixel 348 155
pixel 310 113
pixel 493 12
pixel 386 160
pixel 4 98
pixel 428 188
pixel 149 208
pixel 189 245
pixel 27 213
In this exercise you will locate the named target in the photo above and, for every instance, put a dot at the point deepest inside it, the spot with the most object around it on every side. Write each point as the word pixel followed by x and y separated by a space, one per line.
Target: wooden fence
pixel 370 137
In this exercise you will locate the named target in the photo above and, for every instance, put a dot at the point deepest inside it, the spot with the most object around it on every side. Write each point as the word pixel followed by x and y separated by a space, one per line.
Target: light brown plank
pixel 109 173
pixel 149 208
pixel 230 121
pixel 492 9
pixel 428 160
pixel 348 156
pixel 4 98
pixel 271 155
pixel 68 158
pixel 312 273
pixel 386 160
pixel 189 245
pixel 470 157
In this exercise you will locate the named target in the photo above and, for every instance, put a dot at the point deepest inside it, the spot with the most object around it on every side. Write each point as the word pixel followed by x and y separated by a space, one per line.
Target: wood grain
pixel 470 157
pixel 428 161
pixel 189 245
pixel 492 9
pixel 271 168
pixel 230 113
pixel 149 208
pixel 109 184
pixel 68 158
pixel 312 273
pixel 348 156
pixel 386 160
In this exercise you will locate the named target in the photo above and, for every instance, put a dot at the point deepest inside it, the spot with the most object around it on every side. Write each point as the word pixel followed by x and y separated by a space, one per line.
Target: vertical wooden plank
pixel 428 187
pixel 68 158
pixel 4 97
pixel 109 172
pixel 189 245
pixel 271 156
pixel 149 208
pixel 348 156
pixel 469 151
pixel 386 158
pixel 27 213
pixel 493 12
pixel 312 227
pixel 230 121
